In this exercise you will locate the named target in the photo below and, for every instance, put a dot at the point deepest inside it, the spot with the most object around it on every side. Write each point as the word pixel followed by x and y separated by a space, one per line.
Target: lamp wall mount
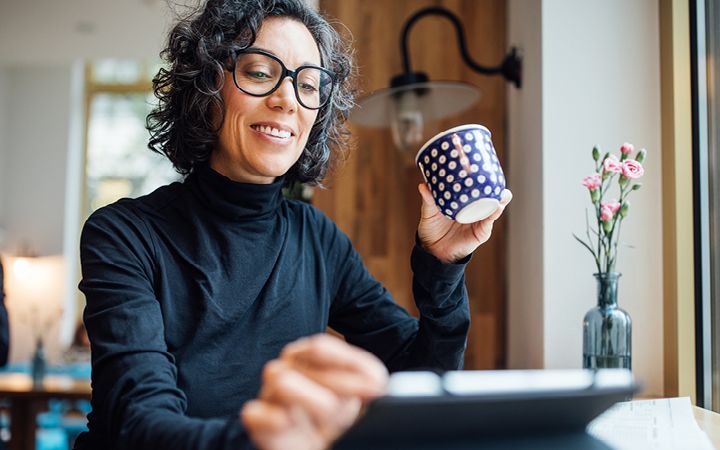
pixel 412 99
pixel 510 67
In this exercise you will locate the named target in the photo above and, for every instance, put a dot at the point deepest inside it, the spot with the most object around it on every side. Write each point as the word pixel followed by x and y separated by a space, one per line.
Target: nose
pixel 283 98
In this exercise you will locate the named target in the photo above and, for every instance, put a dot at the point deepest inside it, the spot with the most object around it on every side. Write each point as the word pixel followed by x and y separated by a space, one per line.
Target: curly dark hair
pixel 184 126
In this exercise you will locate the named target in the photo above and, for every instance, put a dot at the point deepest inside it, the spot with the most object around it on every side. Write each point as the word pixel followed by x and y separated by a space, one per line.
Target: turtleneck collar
pixel 232 199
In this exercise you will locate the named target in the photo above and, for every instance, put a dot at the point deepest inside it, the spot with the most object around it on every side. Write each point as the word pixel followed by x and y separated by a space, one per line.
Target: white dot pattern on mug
pixel 463 168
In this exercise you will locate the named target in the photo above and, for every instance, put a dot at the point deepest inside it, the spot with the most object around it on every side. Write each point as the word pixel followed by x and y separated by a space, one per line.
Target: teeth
pixel 272 131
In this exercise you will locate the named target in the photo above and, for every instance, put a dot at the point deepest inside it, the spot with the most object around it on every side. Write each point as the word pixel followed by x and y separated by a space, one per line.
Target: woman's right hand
pixel 312 393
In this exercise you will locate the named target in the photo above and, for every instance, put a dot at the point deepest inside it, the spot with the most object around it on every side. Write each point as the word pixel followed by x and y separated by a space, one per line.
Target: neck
pixel 607 285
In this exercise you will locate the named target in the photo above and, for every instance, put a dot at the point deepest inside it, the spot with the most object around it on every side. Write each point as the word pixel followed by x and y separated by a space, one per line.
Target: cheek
pixel 308 120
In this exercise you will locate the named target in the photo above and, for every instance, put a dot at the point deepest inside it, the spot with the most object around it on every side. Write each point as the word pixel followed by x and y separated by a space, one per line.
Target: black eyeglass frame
pixel 285 73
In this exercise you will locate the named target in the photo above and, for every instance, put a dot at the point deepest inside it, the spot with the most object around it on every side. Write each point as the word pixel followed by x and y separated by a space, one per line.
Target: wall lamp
pixel 413 99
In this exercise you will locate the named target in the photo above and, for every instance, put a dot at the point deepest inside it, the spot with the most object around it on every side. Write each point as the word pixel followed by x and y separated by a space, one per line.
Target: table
pixel 26 401
pixel 709 422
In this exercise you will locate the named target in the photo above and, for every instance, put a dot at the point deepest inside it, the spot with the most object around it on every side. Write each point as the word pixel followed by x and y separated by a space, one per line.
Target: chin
pixel 275 171
pixel 279 168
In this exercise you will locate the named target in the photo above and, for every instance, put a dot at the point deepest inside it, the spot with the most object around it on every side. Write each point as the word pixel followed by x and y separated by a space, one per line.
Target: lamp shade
pixel 35 293
pixel 435 100
pixel 413 100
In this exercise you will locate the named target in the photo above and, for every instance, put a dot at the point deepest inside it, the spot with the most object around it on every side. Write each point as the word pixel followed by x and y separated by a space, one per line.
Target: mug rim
pixel 451 130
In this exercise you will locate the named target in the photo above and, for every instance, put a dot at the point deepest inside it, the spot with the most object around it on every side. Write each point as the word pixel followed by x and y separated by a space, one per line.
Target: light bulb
pixel 407 121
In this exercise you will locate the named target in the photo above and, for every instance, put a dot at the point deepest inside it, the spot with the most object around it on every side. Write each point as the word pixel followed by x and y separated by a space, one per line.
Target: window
pixel 118 161
pixel 705 38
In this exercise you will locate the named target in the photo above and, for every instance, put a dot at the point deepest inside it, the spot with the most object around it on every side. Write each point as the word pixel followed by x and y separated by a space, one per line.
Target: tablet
pixel 472 405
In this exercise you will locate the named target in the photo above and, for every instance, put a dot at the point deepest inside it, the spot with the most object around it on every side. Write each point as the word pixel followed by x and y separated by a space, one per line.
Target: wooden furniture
pixel 709 422
pixel 27 401
pixel 373 196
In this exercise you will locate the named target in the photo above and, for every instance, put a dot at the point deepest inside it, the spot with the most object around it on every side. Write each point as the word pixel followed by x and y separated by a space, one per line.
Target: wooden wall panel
pixel 373 197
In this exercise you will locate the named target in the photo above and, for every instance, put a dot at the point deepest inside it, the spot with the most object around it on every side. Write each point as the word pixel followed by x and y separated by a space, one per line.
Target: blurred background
pixel 75 87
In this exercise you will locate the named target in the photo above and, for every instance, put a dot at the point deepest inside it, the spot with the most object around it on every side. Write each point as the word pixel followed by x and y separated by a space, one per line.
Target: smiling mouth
pixel 270 131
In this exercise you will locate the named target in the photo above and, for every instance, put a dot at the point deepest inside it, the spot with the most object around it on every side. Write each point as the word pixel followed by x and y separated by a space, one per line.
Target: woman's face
pixel 246 152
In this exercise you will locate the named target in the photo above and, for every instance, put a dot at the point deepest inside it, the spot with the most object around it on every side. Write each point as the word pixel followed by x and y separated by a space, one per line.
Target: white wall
pixel 52 32
pixel 525 175
pixel 599 72
pixel 34 174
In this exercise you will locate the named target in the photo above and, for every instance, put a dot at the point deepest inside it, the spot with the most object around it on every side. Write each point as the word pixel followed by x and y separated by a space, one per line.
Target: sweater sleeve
pixel 366 314
pixel 135 402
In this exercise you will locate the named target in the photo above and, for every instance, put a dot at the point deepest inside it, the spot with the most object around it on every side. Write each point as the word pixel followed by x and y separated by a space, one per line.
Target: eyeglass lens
pixel 259 74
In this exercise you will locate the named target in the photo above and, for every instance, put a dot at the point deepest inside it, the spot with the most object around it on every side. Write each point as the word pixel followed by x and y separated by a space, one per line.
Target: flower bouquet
pixel 603 242
pixel 607 329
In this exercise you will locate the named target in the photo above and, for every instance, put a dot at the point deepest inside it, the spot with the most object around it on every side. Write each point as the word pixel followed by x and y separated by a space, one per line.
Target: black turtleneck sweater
pixel 191 289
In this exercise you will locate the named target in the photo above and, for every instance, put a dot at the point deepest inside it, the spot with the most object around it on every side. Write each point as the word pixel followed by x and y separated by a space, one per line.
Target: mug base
pixel 477 210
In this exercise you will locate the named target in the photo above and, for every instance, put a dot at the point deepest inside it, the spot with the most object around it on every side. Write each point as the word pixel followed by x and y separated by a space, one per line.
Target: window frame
pixel 707 261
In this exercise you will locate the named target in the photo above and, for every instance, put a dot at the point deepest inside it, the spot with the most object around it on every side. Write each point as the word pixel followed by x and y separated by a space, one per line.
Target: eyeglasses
pixel 259 73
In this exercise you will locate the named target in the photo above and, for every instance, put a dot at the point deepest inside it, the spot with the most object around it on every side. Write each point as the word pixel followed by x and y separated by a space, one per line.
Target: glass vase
pixel 607 329
pixel 38 364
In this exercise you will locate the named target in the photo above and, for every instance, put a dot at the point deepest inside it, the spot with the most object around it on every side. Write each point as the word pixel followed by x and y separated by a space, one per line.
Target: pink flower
pixel 626 148
pixel 613 205
pixel 632 169
pixel 592 182
pixel 606 214
pixel 612 164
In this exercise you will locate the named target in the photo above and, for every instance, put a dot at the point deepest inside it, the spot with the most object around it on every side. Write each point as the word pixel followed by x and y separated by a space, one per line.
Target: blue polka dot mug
pixel 463 172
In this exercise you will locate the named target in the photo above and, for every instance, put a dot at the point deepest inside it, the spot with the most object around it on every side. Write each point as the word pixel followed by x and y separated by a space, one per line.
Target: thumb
pixel 427 198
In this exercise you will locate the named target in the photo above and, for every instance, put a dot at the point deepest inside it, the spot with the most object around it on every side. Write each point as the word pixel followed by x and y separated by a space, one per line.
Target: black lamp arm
pixel 510 67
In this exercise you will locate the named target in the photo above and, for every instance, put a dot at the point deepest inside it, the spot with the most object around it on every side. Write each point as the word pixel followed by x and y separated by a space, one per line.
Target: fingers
pixel 505 198
pixel 338 366
pixel 425 194
pixel 429 208
pixel 282 385
pixel 312 394
pixel 345 383
pixel 264 416
pixel 275 427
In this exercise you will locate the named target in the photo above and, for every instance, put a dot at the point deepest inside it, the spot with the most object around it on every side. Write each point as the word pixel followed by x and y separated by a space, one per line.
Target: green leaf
pixel 584 244
pixel 596 153
pixel 636 186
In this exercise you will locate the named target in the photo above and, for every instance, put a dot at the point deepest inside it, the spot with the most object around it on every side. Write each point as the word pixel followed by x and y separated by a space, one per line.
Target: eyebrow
pixel 304 63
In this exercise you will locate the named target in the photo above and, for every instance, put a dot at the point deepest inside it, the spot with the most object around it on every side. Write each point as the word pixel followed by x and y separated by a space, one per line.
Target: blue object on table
pixel 78 370
pixel 50 434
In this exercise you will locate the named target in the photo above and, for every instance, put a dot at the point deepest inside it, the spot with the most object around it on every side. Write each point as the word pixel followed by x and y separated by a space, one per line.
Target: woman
pixel 201 296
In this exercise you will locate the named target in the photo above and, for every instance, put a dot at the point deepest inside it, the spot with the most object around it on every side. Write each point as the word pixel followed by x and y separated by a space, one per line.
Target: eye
pixel 308 81
pixel 258 71
pixel 258 75
pixel 307 87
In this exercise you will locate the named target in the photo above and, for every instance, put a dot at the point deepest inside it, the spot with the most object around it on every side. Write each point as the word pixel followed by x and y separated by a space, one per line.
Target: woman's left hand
pixel 448 240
